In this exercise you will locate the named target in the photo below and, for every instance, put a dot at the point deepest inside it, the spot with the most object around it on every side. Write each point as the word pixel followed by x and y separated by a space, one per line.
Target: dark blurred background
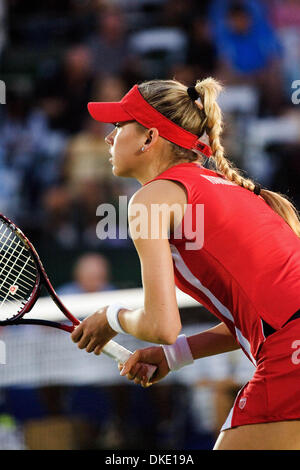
pixel 57 55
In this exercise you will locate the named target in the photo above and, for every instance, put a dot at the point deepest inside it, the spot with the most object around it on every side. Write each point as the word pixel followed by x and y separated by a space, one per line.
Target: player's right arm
pixel 210 342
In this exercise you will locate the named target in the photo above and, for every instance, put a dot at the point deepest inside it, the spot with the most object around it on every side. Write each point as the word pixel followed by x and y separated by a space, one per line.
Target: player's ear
pixel 152 136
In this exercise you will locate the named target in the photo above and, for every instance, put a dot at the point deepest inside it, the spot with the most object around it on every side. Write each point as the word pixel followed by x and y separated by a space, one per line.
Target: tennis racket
pixel 22 277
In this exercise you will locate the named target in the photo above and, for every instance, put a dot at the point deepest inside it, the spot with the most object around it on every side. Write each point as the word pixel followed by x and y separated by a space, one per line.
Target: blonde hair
pixel 171 99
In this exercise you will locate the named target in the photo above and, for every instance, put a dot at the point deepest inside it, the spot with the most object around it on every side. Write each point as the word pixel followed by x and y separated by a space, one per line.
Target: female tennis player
pixel 230 244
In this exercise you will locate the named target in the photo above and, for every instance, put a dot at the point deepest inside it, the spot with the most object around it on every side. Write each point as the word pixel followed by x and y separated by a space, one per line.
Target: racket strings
pixel 18 273
pixel 14 243
pixel 8 282
pixel 11 265
pixel 16 267
pixel 9 292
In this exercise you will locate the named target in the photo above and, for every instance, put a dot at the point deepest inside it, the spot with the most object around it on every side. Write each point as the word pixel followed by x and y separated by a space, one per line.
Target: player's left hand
pixel 135 368
pixel 94 332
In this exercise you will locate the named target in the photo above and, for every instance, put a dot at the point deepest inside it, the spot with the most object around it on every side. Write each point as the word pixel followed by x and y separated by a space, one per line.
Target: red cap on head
pixel 133 107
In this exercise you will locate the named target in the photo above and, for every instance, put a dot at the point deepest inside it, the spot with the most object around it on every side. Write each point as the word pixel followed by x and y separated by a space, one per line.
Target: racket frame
pixel 41 280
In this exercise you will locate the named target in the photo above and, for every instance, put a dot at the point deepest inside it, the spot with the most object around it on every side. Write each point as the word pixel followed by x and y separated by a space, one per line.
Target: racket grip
pixel 121 355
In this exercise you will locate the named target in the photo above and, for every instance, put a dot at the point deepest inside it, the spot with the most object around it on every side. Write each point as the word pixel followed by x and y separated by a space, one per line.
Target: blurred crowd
pixel 57 55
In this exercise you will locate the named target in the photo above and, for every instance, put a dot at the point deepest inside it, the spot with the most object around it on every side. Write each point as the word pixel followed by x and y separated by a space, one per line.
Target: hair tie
pixel 193 93
pixel 257 189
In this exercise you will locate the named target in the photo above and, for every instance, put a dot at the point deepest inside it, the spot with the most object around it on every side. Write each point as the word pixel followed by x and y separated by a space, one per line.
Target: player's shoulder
pixel 160 191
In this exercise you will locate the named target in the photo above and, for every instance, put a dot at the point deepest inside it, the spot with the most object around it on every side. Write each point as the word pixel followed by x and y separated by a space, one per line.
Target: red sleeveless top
pixel 236 256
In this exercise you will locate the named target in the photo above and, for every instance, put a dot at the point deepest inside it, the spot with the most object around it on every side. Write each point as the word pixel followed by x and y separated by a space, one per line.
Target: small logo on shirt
pixel 242 403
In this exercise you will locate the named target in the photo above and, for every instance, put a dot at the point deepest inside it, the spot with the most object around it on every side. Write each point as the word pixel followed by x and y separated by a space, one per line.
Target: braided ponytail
pixel 171 98
pixel 208 91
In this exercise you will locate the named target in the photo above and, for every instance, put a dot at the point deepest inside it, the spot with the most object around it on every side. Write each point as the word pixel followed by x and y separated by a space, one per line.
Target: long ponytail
pixel 170 98
pixel 208 90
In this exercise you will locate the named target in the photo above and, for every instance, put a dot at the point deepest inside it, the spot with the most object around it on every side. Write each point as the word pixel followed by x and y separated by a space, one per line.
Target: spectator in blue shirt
pixel 248 50
pixel 243 36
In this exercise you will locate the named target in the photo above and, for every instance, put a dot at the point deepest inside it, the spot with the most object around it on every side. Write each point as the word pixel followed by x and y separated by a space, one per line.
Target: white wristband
pixel 112 317
pixel 178 354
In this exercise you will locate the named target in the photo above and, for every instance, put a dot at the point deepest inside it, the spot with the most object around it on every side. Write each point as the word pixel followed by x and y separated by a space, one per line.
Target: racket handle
pixel 121 355
pixel 117 352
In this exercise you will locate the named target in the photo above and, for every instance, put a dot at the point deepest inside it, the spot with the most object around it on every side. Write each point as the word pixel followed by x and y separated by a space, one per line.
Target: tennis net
pixel 55 396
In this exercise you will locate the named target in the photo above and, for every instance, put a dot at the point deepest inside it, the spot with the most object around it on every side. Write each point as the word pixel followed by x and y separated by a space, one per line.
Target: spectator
pixel 243 36
pixel 91 273
pixel 65 94
pixel 248 49
pixel 109 88
pixel 57 222
pixel 159 48
pixel 180 14
pixel 184 73
pixel 30 155
pixel 201 51
pixel 108 45
pixel 90 195
pixel 87 157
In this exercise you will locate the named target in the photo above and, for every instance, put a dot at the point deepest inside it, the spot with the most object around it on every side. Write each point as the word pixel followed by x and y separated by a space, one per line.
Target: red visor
pixel 133 107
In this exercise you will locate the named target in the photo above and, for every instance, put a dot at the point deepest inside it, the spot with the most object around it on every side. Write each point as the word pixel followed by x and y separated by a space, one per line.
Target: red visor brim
pixel 134 107
pixel 108 112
